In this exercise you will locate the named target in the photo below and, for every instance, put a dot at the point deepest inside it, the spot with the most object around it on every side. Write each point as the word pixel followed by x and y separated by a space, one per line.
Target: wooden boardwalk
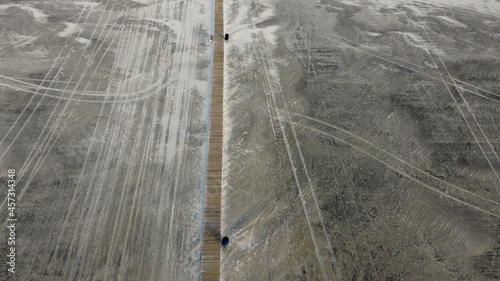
pixel 211 247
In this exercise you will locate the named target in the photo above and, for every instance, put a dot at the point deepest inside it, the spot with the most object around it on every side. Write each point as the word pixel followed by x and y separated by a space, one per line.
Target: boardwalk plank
pixel 210 250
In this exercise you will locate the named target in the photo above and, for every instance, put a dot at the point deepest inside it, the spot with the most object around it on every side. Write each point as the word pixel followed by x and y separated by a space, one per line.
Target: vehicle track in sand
pixel 133 167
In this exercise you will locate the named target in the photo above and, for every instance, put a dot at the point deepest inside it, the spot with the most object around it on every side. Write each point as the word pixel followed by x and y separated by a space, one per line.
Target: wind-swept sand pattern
pixel 108 142
pixel 329 139
pixel 371 125
pixel 211 247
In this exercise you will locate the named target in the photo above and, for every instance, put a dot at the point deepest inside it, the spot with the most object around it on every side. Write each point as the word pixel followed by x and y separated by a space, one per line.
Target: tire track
pixel 32 98
pixel 37 146
pixel 352 44
pixel 273 88
pixel 443 188
pixel 468 109
pixel 79 181
pixel 83 174
pixel 103 169
pixel 42 147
